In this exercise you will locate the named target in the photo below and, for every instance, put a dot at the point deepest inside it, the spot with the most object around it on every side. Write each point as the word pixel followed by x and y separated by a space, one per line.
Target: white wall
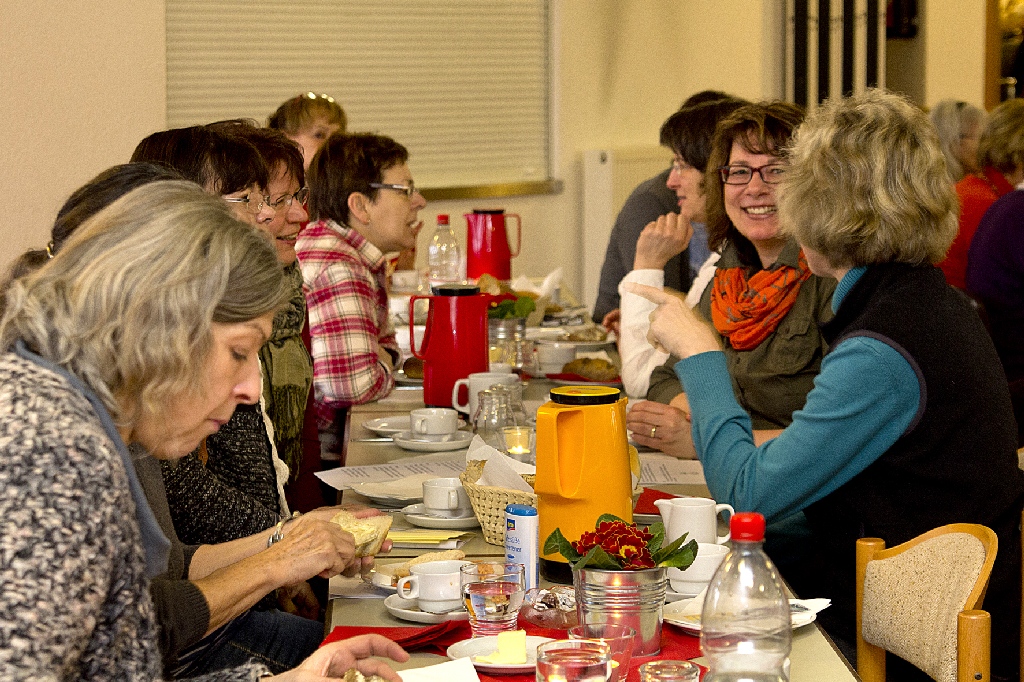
pixel 946 59
pixel 80 84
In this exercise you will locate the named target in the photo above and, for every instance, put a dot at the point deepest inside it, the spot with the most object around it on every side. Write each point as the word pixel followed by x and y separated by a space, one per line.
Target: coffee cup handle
pixel 409 583
pixel 455 396
pixel 418 426
pixel 719 508
pixel 453 499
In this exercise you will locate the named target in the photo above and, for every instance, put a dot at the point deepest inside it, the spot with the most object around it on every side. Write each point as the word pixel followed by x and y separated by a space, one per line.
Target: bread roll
pixel 369 532
pixel 401 570
pixel 592 368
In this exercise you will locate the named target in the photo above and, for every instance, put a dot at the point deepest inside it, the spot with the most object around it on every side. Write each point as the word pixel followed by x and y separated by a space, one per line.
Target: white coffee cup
pixel 446 497
pixel 476 382
pixel 433 423
pixel 436 585
pixel 552 357
pixel 695 516
pixel 695 578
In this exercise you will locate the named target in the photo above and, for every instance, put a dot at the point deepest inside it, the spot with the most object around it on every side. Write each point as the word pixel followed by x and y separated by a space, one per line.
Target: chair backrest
pixel 919 600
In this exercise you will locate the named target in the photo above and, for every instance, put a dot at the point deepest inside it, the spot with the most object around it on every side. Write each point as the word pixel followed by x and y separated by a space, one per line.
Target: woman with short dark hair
pixel 365 205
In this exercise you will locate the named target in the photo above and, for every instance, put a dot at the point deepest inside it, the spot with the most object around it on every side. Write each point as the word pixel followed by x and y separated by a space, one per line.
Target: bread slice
pixel 369 532
pixel 353 675
pixel 401 570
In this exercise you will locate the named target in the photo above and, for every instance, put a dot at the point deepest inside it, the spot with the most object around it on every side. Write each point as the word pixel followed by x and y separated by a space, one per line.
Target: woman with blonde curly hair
pixel 909 424
pixel 143 330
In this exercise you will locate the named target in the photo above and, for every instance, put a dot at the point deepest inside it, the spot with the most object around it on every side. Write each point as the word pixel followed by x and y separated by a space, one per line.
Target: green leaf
pixel 666 551
pixel 607 518
pixel 556 542
pixel 657 531
pixel 523 306
pixel 682 558
pixel 598 558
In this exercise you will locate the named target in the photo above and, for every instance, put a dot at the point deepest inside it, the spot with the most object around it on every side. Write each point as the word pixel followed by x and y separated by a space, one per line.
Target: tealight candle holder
pixel 520 442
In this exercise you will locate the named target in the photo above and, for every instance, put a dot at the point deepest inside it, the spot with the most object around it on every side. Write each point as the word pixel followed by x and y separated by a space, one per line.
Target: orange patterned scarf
pixel 747 311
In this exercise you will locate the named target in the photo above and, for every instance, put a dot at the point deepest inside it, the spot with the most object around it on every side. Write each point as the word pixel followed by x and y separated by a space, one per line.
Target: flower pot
pixel 632 598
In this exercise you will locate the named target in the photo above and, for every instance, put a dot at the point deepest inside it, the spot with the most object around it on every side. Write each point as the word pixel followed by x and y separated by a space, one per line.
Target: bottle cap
pixel 747 526
pixel 520 510
pixel 442 218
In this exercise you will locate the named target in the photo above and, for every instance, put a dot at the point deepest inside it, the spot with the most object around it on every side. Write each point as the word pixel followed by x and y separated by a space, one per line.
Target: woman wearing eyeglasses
pixel 763 301
pixel 365 205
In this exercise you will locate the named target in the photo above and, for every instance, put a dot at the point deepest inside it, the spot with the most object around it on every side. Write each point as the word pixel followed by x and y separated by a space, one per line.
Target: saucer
pixel 459 440
pixel 482 646
pixel 673 596
pixel 690 622
pixel 416 515
pixel 407 609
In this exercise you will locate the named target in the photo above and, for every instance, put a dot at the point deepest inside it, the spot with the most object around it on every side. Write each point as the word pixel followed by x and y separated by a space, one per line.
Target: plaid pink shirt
pixel 344 278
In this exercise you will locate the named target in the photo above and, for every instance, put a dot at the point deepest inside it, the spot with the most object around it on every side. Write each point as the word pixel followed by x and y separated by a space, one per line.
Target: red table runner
pixel 435 639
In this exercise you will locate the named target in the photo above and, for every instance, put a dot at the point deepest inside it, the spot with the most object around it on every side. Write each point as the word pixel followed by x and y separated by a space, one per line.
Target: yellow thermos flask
pixel 582 466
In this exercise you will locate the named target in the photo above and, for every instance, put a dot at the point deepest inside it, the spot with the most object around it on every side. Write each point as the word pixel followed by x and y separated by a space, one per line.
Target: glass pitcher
pixel 493 414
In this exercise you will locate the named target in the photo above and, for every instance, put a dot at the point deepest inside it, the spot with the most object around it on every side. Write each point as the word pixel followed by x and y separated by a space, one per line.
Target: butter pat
pixel 511 650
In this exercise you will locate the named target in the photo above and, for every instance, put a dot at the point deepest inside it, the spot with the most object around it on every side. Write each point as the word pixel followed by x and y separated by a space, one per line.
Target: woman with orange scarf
pixel 763 301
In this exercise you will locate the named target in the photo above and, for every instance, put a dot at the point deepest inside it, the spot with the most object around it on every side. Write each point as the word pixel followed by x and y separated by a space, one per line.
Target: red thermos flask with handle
pixel 454 344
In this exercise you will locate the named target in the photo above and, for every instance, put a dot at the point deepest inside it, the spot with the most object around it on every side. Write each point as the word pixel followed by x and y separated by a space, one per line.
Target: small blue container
pixel 521 539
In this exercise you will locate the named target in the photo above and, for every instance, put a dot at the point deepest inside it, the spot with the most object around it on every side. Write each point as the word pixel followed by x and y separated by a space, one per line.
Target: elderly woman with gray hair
pixel 909 424
pixel 143 330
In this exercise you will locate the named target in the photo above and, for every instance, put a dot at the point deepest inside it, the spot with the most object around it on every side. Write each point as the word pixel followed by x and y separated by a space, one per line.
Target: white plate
pixel 673 596
pixel 482 646
pixel 398 493
pixel 417 515
pixel 582 382
pixel 691 623
pixel 403 379
pixel 459 441
pixel 406 609
pixel 388 426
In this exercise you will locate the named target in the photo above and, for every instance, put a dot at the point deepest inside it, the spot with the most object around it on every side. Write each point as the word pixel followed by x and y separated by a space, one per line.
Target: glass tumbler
pixel 574 660
pixel 493 593
pixel 669 671
pixel 619 639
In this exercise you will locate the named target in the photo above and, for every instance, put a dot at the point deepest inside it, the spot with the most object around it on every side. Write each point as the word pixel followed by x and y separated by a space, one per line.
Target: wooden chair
pixel 919 600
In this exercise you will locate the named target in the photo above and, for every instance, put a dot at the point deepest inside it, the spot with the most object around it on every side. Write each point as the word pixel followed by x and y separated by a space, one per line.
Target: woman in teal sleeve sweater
pixel 909 424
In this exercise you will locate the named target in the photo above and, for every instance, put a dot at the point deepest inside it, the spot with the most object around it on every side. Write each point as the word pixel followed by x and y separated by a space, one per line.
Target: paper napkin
pixel 458 670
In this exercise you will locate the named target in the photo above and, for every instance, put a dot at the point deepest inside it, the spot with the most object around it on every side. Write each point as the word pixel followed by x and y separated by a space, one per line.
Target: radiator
pixel 609 176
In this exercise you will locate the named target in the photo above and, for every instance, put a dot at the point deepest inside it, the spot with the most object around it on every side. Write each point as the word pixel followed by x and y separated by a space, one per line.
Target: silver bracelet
pixel 278 533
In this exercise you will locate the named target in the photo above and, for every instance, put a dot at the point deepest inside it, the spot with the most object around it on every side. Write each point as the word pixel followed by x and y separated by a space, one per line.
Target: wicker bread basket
pixel 489 502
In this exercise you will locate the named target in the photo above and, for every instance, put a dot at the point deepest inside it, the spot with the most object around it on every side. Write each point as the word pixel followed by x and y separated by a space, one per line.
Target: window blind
pixel 463 84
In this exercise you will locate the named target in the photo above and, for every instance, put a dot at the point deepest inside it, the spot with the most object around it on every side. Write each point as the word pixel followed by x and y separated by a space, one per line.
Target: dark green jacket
pixel 773 380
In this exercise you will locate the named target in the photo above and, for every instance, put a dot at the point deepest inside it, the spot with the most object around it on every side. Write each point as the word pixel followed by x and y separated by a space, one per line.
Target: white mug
pixel 433 423
pixel 692 580
pixel 436 585
pixel 476 382
pixel 695 516
pixel 446 497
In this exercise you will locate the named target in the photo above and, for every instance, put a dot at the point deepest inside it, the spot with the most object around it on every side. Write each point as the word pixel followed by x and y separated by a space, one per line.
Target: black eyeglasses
pixel 285 200
pixel 407 189
pixel 771 174
pixel 251 204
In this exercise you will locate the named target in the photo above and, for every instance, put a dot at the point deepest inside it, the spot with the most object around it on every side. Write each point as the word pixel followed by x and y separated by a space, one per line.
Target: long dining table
pixel 814 657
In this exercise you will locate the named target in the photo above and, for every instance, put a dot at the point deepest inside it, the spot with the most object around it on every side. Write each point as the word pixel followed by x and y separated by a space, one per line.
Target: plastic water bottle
pixel 443 256
pixel 745 625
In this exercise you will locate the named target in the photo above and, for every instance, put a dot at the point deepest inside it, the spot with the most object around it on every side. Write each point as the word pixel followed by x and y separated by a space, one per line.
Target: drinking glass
pixel 493 592
pixel 574 660
pixel 669 671
pixel 619 639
